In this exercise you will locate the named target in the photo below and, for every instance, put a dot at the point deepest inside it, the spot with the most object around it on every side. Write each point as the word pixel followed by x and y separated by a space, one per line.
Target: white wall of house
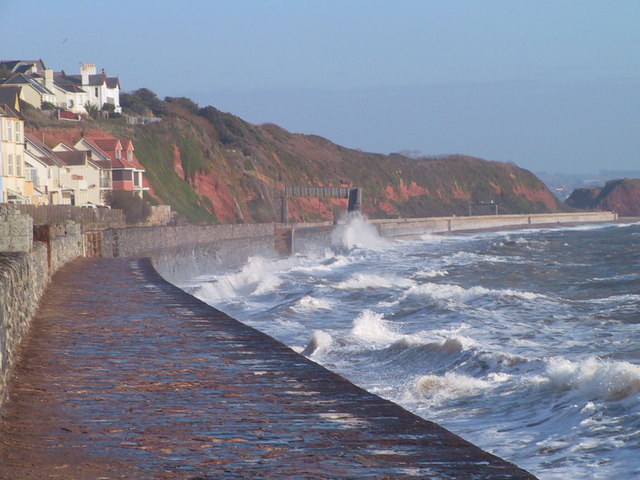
pixel 12 157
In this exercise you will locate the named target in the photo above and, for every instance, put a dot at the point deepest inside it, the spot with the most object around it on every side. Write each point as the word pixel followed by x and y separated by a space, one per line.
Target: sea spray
pixel 356 232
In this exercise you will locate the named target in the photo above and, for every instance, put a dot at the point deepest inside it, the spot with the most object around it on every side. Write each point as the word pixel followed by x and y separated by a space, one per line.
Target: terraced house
pixel 40 85
pixel 13 185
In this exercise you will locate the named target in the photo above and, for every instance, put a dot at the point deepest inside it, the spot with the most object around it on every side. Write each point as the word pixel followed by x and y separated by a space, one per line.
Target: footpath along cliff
pixel 212 166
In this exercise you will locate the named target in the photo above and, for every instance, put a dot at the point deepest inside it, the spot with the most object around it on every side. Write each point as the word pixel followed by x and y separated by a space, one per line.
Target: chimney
pixel 48 78
pixel 87 69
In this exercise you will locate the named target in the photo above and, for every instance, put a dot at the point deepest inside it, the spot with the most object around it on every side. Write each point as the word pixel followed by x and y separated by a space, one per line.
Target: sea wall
pixel 182 263
pixel 23 279
pixel 125 242
pixel 418 226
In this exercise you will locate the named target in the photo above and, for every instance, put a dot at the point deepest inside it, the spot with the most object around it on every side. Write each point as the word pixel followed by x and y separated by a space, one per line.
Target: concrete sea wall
pixel 418 226
pixel 125 242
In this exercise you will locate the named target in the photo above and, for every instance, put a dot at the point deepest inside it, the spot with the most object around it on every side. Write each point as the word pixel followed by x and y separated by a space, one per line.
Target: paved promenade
pixel 126 376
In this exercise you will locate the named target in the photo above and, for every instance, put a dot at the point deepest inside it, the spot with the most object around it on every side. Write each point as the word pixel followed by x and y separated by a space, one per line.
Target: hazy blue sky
pixel 548 85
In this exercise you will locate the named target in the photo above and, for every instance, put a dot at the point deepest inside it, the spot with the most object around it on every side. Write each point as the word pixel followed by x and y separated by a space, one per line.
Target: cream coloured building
pixel 12 170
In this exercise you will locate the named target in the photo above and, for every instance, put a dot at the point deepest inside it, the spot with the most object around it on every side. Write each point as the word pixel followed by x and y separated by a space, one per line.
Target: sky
pixel 548 85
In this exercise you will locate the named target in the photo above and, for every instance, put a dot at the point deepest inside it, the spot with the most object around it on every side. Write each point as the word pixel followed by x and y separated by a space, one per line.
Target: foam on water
pixel 522 342
pixel 320 340
pixel 594 378
pixel 440 388
pixel 364 280
pixel 309 303
pixel 373 328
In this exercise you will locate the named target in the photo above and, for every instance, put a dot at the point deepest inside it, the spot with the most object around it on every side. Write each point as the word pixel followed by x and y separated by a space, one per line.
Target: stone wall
pixel 23 279
pixel 15 230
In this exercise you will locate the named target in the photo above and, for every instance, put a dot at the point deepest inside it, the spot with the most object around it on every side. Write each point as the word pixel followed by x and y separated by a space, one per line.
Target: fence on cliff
pixel 48 214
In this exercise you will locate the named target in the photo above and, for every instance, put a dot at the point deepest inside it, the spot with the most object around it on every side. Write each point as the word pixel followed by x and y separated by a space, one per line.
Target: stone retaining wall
pixel 23 279
pixel 15 230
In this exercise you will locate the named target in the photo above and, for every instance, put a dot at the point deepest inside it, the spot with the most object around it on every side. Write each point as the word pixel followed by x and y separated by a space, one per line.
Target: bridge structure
pixel 353 194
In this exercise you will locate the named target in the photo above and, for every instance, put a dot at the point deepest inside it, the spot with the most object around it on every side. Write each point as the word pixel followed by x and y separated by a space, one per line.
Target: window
pixel 96 92
pixel 18 132
pixel 118 153
pixel 130 155
pixel 9 131
pixel 18 165
pixel 10 165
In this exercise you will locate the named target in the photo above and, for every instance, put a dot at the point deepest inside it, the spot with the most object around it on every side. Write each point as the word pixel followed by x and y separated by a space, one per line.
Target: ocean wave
pixel 445 291
pixel 309 303
pixel 320 340
pixel 362 281
pixel 594 378
pixel 451 385
pixel 431 273
pixel 373 328
pixel 259 275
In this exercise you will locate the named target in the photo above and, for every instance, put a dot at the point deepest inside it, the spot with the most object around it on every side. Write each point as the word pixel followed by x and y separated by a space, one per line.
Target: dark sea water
pixel 524 342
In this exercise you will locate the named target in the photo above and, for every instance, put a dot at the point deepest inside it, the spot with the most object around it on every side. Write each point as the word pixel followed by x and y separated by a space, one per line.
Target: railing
pixel 48 214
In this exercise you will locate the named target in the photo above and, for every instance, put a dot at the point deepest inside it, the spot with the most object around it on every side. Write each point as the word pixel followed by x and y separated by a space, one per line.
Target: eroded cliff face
pixel 621 196
pixel 214 167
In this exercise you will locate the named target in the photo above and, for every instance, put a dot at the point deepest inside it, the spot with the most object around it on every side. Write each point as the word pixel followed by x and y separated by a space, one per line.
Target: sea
pixel 523 342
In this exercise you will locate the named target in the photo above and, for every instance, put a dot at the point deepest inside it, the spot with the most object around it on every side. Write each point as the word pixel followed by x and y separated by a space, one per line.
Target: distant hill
pixel 621 196
pixel 212 166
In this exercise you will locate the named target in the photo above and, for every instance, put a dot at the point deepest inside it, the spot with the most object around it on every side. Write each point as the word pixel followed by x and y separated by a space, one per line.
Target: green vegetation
pixel 192 158
pixel 156 155
pixel 135 209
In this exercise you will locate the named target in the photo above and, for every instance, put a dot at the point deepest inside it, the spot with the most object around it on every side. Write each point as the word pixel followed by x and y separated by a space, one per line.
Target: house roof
pixel 113 82
pixel 45 152
pixel 95 80
pixel 22 66
pixel 108 146
pixel 7 111
pixel 73 158
pixel 22 79
pixel 10 95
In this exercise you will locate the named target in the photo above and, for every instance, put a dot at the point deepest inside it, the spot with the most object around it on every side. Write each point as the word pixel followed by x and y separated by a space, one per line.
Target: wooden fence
pixel 48 214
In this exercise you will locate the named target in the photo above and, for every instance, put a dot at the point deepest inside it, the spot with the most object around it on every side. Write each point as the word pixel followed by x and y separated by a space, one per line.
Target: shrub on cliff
pixel 135 209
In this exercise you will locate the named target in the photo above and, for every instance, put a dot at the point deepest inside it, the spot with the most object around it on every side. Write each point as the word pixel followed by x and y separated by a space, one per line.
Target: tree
pixel 142 101
pixel 92 110
pixel 185 103
pixel 135 209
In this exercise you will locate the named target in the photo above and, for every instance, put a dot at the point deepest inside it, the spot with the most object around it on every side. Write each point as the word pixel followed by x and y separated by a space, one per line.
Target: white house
pixel 99 89
pixel 12 159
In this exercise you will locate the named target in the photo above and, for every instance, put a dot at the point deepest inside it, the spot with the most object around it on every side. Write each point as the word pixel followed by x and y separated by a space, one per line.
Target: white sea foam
pixel 431 273
pixel 444 291
pixel 451 385
pixel 361 281
pixel 357 233
pixel 594 377
pixel 320 340
pixel 373 328
pixel 258 276
pixel 310 303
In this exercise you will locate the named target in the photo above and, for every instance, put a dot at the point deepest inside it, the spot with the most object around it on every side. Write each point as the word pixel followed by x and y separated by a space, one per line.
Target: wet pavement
pixel 126 376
